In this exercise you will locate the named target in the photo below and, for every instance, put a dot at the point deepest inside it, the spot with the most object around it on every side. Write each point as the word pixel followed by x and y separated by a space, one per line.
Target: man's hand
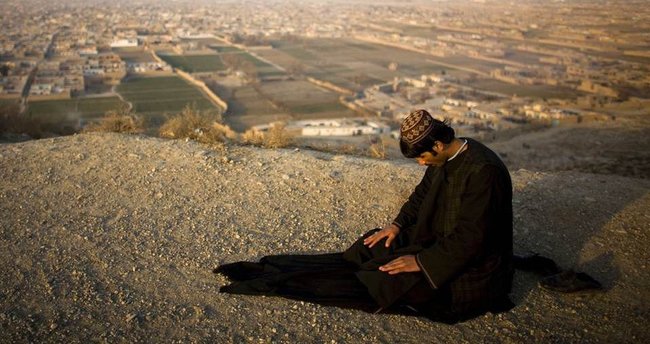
pixel 401 264
pixel 389 232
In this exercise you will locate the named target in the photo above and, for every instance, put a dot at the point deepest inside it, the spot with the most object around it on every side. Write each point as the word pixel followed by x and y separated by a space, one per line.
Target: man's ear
pixel 437 146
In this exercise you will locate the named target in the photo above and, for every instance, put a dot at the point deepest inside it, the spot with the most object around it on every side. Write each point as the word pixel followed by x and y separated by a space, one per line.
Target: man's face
pixel 430 159
pixel 433 157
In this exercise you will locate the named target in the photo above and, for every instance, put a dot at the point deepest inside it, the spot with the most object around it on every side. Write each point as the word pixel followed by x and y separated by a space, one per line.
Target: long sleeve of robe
pixel 451 253
pixel 409 212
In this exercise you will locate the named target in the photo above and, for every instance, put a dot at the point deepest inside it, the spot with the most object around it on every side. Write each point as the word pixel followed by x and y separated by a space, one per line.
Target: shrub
pixel 276 137
pixel 122 120
pixel 253 137
pixel 377 149
pixel 199 126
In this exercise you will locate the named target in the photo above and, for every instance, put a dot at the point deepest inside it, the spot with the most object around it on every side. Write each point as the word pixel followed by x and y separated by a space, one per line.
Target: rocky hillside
pixel 109 237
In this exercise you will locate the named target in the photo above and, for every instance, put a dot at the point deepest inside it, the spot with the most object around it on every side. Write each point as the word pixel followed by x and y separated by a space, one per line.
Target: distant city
pixel 327 68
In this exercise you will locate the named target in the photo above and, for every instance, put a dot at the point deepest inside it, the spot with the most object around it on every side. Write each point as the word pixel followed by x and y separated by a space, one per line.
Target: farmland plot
pixel 353 64
pixel 154 97
pixel 72 110
pixel 195 63
pixel 302 98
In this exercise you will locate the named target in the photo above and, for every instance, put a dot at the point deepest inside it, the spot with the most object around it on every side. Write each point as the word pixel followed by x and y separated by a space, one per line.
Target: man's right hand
pixel 389 232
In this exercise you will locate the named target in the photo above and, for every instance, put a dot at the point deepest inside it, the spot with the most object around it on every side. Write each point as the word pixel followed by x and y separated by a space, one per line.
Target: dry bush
pixel 122 120
pixel 253 137
pixel 204 127
pixel 377 149
pixel 226 131
pixel 276 137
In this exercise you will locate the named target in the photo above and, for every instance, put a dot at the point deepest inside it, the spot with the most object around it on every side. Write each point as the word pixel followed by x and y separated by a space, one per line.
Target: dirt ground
pixel 617 147
pixel 113 238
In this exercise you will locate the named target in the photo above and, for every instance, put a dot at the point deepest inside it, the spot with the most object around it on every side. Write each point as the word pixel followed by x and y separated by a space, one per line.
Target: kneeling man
pixel 447 255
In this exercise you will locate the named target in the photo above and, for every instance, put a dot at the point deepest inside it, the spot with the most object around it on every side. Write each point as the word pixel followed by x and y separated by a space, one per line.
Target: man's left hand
pixel 401 264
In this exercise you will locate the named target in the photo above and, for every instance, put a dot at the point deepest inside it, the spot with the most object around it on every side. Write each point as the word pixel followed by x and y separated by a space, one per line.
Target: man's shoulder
pixel 482 154
pixel 483 158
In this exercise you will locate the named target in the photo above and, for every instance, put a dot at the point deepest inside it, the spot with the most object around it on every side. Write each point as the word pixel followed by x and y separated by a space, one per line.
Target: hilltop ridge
pixel 113 237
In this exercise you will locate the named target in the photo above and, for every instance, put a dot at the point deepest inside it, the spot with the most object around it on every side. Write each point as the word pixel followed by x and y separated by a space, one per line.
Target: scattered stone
pixel 130 317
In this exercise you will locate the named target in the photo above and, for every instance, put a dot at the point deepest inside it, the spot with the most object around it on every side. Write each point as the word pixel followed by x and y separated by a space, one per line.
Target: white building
pixel 41 89
pixel 334 127
pixel 341 127
pixel 124 43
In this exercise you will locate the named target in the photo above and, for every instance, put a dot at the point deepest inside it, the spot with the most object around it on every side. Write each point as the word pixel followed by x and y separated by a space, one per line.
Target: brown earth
pixel 109 237
pixel 617 147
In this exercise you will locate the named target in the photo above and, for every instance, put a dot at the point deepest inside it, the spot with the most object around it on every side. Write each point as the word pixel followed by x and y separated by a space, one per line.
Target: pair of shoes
pixel 537 264
pixel 570 282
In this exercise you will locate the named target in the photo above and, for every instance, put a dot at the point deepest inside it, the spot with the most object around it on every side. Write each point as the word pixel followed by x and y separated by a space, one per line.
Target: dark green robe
pixel 458 223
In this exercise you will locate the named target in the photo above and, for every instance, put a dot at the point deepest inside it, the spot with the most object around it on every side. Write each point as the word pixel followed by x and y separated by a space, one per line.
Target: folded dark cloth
pixel 570 282
pixel 537 264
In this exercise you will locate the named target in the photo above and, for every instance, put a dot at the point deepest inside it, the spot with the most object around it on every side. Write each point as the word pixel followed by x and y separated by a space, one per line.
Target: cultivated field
pixel 352 64
pixel 263 68
pixel 246 108
pixel 278 57
pixel 5 102
pixel 214 62
pixel 356 65
pixel 194 63
pixel 72 110
pixel 134 55
pixel 304 98
pixel 153 97
pixel 534 91
pixel 224 48
pixel 281 100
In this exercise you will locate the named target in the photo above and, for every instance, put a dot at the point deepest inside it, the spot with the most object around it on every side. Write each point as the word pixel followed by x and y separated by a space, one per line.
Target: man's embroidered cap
pixel 416 126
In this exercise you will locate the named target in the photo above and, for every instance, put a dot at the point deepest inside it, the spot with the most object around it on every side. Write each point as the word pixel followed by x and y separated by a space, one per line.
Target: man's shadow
pixel 567 217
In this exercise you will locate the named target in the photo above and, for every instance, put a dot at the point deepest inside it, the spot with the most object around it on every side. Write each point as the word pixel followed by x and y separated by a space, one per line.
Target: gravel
pixel 109 237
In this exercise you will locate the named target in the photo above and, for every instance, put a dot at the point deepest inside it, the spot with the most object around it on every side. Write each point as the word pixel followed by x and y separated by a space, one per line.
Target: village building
pixel 333 127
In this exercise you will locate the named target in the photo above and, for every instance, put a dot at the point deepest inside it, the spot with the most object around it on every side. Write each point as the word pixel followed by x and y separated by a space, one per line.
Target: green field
pixel 213 63
pixel 154 97
pixel 246 100
pixel 353 64
pixel 5 102
pixel 302 97
pixel 281 100
pixel 195 63
pixel 321 108
pixel 134 54
pixel 224 48
pixel 263 68
pixel 71 110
